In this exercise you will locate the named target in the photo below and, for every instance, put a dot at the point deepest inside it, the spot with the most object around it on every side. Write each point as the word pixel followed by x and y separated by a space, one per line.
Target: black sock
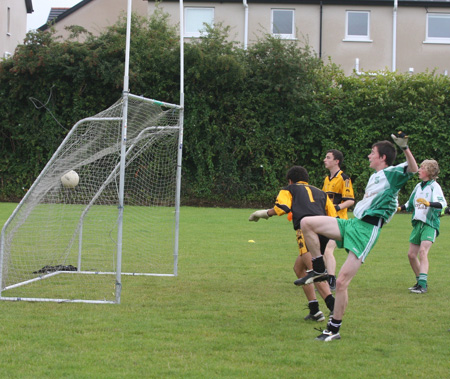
pixel 313 307
pixel 318 264
pixel 334 325
pixel 329 301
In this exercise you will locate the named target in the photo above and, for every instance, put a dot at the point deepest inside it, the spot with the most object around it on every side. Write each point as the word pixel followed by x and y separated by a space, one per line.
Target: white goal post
pixel 70 243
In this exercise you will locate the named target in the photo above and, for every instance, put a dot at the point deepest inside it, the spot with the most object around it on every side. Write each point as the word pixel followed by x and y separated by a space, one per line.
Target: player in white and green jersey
pixel 358 235
pixel 426 202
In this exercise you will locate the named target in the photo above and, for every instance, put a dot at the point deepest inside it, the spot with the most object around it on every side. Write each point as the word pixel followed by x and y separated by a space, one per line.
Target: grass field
pixel 234 312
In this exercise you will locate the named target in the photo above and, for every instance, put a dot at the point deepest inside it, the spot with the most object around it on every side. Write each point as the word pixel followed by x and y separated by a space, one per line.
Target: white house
pixel 369 35
pixel 13 25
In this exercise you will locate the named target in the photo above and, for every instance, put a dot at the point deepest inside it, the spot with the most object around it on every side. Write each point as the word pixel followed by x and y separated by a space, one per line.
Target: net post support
pixel 123 145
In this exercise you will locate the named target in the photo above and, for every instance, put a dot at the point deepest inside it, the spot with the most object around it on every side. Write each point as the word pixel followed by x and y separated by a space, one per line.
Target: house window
pixel 438 28
pixel 8 21
pixel 283 23
pixel 357 26
pixel 195 20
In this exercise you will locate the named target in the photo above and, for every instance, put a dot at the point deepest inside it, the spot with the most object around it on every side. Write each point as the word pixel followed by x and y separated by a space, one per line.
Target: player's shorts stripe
pixel 371 243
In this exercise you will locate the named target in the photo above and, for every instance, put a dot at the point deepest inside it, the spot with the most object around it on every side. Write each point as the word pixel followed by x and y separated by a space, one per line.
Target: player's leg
pixel 413 256
pixel 315 225
pixel 423 255
pixel 330 263
pixel 323 225
pixel 422 283
pixel 300 266
pixel 324 290
pixel 346 274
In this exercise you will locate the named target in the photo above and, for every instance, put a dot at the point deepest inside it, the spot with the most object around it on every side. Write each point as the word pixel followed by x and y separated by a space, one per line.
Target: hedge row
pixel 250 114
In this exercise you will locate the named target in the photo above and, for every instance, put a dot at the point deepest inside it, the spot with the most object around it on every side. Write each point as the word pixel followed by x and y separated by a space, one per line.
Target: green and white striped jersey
pixel 381 194
pixel 432 192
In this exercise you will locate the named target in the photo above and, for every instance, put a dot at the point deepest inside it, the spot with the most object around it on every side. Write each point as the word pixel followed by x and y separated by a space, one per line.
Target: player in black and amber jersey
pixel 303 200
pixel 339 188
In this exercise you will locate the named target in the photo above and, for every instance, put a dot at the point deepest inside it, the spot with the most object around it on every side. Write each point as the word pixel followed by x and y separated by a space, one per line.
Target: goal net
pixel 65 243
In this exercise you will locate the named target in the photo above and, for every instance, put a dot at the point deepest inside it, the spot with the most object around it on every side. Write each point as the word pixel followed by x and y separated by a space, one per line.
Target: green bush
pixel 249 114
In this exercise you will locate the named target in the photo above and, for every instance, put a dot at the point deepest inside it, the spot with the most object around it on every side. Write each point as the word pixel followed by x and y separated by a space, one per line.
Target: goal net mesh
pixel 62 243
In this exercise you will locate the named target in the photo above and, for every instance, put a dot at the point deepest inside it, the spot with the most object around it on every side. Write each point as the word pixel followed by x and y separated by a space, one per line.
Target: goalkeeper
pixel 303 200
pixel 358 235
pixel 426 201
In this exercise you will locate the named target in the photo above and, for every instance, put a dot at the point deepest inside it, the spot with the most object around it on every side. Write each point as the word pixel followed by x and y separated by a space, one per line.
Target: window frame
pixel 199 32
pixel 8 21
pixel 355 37
pixel 442 40
pixel 282 35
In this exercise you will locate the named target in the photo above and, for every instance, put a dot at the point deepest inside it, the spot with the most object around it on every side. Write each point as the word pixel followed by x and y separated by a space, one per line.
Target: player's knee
pixel 414 254
pixel 423 253
pixel 305 224
pixel 341 284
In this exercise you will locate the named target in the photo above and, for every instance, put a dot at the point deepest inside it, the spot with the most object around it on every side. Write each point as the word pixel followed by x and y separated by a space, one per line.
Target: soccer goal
pixel 62 242
pixel 105 205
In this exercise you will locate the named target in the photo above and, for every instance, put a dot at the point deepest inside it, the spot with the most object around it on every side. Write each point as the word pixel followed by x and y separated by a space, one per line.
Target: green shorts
pixel 422 232
pixel 358 236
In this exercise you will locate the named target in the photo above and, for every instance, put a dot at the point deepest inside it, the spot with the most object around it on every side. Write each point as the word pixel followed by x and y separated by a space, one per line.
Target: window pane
pixel 358 24
pixel 196 17
pixel 438 26
pixel 282 22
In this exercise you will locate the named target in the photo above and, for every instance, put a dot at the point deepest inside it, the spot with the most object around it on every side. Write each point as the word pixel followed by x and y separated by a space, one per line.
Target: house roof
pixel 414 3
pixel 55 12
pixel 29 6
pixel 64 14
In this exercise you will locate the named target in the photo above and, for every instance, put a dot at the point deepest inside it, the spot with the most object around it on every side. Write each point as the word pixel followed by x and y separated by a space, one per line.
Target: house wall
pixel 411 51
pixel 18 25
pixel 230 14
pixel 96 15
pixel 307 22
pixel 373 55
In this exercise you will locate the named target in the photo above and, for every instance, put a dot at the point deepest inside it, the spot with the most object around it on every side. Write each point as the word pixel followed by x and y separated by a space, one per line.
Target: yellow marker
pixel 251 241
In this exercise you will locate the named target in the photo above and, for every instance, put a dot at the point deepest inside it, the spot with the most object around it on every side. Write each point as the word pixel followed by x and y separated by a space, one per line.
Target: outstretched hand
pixel 255 216
pixel 401 139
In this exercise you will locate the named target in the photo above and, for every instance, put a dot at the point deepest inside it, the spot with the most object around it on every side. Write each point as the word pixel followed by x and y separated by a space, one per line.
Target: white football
pixel 70 179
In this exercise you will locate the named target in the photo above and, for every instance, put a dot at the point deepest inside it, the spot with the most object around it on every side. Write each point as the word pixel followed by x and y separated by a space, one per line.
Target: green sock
pixel 422 280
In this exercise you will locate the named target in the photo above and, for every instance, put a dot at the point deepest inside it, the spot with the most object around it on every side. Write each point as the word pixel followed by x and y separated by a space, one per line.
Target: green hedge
pixel 250 114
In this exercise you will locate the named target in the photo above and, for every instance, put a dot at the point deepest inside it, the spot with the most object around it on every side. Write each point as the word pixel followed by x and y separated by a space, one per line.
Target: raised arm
pixel 412 164
pixel 401 139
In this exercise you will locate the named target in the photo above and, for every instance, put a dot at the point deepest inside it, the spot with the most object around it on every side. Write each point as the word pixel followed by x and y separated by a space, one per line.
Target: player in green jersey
pixel 426 202
pixel 359 234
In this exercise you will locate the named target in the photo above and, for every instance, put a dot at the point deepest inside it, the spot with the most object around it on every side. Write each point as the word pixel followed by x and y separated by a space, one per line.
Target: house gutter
pixel 394 36
pixel 245 23
pixel 320 30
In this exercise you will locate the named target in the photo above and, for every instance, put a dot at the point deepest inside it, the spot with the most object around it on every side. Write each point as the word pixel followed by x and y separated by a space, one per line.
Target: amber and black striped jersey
pixel 303 200
pixel 339 189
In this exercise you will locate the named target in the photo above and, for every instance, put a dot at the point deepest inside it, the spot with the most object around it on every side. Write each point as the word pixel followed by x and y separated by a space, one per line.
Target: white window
pixel 283 23
pixel 8 21
pixel 357 26
pixel 438 28
pixel 195 20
